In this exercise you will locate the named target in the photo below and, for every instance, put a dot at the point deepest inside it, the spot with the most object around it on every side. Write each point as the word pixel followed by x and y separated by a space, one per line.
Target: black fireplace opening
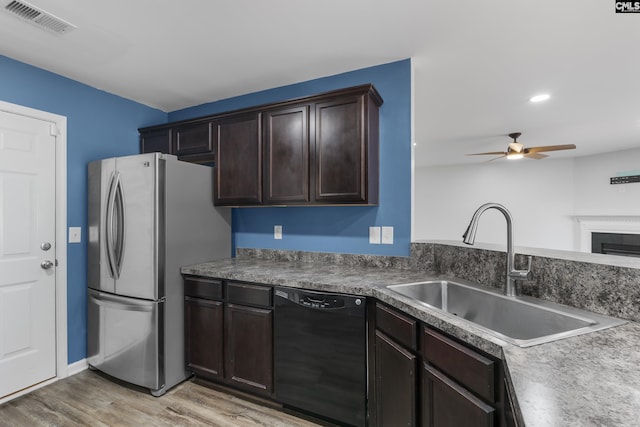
pixel 616 244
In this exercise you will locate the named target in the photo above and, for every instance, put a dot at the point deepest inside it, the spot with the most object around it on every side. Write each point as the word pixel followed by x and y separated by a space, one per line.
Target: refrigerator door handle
pixel 120 215
pixel 105 301
pixel 111 194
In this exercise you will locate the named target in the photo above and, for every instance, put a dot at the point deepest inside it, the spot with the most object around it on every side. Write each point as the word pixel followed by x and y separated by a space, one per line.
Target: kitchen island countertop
pixel 591 379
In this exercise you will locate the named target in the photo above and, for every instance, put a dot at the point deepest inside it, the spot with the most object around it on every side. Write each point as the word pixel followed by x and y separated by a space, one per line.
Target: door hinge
pixel 53 130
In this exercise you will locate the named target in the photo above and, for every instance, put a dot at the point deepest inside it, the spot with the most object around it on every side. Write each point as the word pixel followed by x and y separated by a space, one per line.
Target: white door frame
pixel 61 226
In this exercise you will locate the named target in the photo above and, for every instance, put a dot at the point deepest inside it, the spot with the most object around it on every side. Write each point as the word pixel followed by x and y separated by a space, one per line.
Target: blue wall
pixel 99 125
pixel 338 229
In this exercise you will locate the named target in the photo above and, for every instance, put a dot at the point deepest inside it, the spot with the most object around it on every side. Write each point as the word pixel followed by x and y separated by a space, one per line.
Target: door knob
pixel 45 265
pixel 45 246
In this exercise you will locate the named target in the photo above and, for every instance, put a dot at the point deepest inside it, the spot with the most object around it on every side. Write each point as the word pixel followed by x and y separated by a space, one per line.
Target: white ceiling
pixel 476 63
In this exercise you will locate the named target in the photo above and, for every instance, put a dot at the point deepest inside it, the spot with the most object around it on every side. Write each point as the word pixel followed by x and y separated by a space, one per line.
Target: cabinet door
pixel 157 140
pixel 286 155
pixel 396 384
pixel 340 149
pixel 192 139
pixel 204 337
pixel 238 160
pixel 447 404
pixel 249 348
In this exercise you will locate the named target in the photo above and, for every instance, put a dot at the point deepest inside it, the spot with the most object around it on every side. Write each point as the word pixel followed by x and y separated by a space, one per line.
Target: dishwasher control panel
pixel 318 299
pixel 320 302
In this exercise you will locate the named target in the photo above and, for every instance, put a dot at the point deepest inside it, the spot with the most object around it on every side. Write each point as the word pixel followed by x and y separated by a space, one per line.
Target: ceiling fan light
pixel 516 147
pixel 540 98
pixel 515 156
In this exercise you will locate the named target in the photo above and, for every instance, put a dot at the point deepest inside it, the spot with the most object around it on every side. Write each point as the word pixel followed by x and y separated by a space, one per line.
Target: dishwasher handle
pixel 318 300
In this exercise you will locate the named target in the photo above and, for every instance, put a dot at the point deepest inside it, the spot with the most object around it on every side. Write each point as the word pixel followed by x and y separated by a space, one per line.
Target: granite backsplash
pixel 601 288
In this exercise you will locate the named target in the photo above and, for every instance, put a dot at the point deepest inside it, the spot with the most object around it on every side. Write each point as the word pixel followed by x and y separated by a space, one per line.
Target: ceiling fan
pixel 516 150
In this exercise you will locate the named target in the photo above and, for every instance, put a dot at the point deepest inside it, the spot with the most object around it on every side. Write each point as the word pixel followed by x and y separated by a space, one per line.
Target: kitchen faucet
pixel 469 237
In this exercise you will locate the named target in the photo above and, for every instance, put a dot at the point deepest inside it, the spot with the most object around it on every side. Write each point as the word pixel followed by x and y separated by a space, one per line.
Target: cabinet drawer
pixel 248 294
pixel 203 288
pixel 471 369
pixel 445 403
pixel 401 328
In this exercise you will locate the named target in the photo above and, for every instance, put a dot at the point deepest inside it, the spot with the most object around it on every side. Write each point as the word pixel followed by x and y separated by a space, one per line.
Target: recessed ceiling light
pixel 540 98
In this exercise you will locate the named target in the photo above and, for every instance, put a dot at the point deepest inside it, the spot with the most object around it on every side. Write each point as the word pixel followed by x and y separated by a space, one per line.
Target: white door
pixel 27 228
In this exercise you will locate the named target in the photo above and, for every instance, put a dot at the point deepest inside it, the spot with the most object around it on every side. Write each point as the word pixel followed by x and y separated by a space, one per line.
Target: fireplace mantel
pixel 587 224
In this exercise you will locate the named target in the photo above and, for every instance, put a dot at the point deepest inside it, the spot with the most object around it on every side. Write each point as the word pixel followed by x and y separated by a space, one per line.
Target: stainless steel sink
pixel 522 321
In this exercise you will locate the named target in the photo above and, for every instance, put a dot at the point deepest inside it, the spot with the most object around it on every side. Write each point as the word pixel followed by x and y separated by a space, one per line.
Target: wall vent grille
pixel 38 17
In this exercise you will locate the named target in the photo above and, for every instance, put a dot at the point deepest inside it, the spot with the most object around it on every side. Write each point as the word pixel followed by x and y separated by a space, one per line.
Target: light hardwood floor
pixel 89 399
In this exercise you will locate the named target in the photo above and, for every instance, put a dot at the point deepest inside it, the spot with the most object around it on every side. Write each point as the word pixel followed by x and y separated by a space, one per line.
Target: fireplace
pixel 613 234
pixel 616 244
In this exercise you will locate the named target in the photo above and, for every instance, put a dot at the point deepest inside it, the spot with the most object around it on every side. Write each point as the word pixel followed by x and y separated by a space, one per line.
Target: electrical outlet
pixel 374 235
pixel 75 234
pixel 277 232
pixel 387 235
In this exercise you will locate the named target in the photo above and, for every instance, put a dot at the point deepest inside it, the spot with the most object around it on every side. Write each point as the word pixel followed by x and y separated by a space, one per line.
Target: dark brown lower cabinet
pixel 447 404
pixel 229 333
pixel 204 337
pixel 396 383
pixel 249 348
pixel 419 376
pixel 425 377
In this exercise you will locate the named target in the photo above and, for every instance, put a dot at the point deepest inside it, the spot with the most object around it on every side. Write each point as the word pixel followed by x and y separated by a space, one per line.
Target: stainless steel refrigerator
pixel 148 215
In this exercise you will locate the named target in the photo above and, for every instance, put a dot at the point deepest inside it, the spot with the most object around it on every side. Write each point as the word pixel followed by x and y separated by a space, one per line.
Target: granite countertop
pixel 586 380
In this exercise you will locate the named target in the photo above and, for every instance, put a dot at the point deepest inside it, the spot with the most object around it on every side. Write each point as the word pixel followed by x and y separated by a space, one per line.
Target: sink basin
pixel 522 321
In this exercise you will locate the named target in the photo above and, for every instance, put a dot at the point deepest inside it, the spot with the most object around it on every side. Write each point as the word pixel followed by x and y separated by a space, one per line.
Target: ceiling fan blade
pixel 496 158
pixel 490 153
pixel 536 156
pixel 549 148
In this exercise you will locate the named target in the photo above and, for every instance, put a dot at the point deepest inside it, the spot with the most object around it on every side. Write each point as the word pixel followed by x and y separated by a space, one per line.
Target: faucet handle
pixel 523 274
pixel 529 273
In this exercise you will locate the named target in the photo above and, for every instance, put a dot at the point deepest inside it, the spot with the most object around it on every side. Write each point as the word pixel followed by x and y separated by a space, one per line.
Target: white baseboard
pixel 77 367
pixel 27 390
pixel 72 369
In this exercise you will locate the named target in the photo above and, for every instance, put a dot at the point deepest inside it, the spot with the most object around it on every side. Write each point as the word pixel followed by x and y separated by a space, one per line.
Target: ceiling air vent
pixel 38 17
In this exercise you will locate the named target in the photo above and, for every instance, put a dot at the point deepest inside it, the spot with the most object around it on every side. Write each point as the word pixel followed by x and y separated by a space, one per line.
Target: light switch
pixel 387 235
pixel 75 234
pixel 374 235
pixel 277 232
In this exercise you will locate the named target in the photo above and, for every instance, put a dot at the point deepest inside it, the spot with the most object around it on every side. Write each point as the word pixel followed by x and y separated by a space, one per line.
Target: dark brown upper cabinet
pixel 156 140
pixel 192 142
pixel 192 139
pixel 286 155
pixel 316 150
pixel 346 137
pixel 238 160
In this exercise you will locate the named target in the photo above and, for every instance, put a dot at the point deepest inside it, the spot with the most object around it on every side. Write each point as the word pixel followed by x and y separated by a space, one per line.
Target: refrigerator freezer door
pixel 125 342
pixel 100 184
pixel 141 209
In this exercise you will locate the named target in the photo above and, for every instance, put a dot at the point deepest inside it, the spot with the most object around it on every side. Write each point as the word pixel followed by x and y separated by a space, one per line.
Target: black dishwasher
pixel 320 354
